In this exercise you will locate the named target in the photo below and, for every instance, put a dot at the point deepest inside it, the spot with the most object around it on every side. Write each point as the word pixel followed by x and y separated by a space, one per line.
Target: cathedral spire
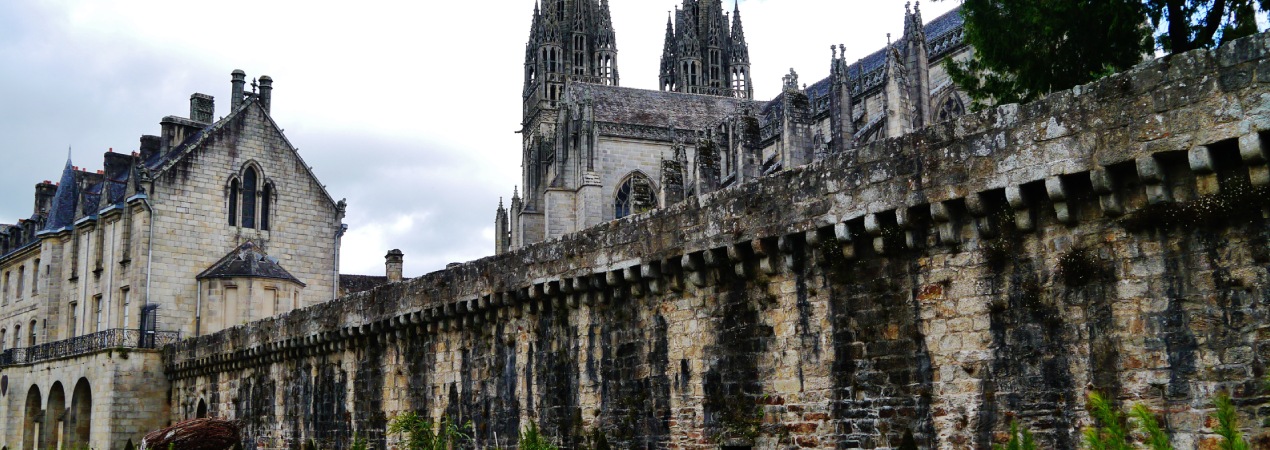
pixel 705 51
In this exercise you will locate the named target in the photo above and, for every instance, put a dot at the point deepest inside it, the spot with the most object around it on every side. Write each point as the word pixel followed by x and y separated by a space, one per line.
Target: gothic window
pixel 266 198
pixel 714 68
pixel 233 202
pixel 579 55
pixel 249 198
pixel 951 108
pixel 634 196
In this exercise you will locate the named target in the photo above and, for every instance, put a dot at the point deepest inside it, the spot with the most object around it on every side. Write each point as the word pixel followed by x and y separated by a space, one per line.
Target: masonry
pixel 919 292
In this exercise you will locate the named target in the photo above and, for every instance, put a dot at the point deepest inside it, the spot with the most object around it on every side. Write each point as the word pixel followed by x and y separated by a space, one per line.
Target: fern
pixel 1019 439
pixel 420 433
pixel 1157 439
pixel 531 439
pixel 1109 431
pixel 1228 424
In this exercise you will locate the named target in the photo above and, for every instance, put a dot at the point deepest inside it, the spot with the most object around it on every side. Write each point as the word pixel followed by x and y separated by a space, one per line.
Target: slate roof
pixel 628 106
pixel 247 261
pixel 65 200
pixel 937 29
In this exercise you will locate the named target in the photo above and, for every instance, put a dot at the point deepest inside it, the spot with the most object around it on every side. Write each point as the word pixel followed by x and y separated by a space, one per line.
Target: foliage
pixel 1019 439
pixel 1157 439
pixel 359 443
pixel 1190 24
pixel 421 434
pixel 1228 424
pixel 1027 48
pixel 531 439
pixel 1110 431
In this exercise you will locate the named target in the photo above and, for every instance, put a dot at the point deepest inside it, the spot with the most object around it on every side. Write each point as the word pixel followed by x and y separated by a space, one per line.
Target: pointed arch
pixel 232 192
pixel 201 412
pixel 634 195
pixel 266 204
pixel 251 182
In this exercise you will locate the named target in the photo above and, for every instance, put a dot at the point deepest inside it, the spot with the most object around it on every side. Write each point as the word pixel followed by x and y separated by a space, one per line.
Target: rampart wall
pixel 921 292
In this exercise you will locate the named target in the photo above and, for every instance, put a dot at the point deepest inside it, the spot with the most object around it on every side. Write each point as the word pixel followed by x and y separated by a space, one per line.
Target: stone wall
pixel 125 398
pixel 920 292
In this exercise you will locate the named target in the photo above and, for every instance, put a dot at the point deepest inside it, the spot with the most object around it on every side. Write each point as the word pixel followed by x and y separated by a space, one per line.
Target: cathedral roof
pixel 248 261
pixel 656 108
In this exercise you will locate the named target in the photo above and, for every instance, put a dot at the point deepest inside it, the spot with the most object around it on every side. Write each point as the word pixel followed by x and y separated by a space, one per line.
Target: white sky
pixel 407 109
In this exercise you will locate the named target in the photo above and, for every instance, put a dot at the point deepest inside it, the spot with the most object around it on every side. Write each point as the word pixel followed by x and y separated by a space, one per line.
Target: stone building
pixel 210 224
pixel 595 152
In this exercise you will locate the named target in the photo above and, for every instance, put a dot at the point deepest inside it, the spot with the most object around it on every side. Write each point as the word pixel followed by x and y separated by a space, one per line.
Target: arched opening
pixel 80 418
pixel 249 198
pixel 233 202
pixel 265 198
pixel 31 418
pixel 54 417
pixel 202 409
pixel 634 196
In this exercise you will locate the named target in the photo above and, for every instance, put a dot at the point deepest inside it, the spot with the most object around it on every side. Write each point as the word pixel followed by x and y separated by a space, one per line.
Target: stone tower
pixel 703 54
pixel 569 41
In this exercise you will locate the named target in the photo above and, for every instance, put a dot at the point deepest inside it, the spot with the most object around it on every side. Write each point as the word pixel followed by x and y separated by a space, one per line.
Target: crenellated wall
pixel 920 292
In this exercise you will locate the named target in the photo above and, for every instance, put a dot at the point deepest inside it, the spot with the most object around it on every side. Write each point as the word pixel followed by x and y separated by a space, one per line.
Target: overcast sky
pixel 406 108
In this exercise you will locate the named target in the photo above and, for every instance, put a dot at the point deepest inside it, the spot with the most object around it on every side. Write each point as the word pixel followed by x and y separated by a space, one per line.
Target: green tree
pixel 1184 25
pixel 1228 423
pixel 1026 48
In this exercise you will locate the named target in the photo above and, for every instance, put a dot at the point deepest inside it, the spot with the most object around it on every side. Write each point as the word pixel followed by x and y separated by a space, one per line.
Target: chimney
pixel 44 193
pixel 392 265
pixel 202 108
pixel 239 82
pixel 150 146
pixel 266 91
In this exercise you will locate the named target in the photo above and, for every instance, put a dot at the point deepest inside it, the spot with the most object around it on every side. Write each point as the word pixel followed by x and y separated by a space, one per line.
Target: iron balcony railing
pixel 79 345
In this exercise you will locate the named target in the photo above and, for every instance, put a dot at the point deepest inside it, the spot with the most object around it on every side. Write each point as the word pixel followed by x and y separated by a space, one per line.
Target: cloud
pixel 407 109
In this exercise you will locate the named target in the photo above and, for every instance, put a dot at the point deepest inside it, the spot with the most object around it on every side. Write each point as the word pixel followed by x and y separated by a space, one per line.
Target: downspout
pixel 145 201
pixel 198 309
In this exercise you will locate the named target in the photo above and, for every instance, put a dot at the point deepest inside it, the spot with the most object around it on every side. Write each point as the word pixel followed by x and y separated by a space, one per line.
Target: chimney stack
pixel 44 193
pixel 150 146
pixel 239 82
pixel 202 108
pixel 392 265
pixel 266 91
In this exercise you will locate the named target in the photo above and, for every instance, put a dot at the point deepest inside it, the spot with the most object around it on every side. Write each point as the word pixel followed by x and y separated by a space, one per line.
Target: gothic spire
pixel 740 49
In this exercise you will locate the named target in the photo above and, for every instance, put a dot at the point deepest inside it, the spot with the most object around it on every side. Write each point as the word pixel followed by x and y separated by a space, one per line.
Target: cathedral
pixel 594 151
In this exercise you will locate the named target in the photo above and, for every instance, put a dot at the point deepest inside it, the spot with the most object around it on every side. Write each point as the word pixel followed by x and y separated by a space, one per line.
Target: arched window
pixel 233 202
pixel 3 332
pixel 17 336
pixel 21 278
pixel 35 277
pixel 32 331
pixel 265 198
pixel 634 196
pixel 249 198
pixel 951 108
